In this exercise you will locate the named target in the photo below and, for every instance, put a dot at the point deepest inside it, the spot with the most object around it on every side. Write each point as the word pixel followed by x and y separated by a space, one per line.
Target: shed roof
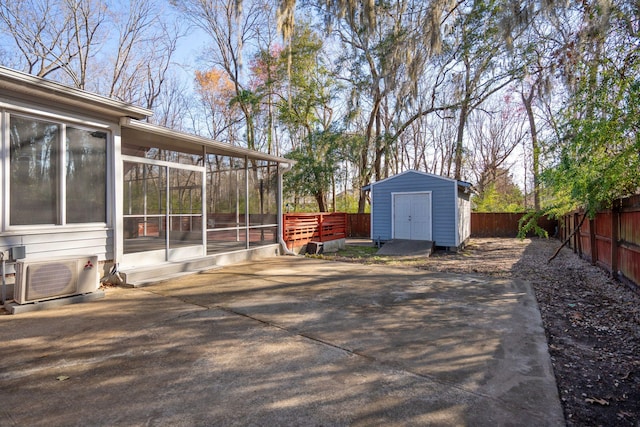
pixel 463 185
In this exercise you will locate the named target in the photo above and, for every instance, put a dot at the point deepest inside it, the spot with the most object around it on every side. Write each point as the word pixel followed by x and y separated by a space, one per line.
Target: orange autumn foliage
pixel 213 84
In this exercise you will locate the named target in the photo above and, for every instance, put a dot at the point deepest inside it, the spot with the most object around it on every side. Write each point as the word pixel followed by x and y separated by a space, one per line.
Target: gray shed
pixel 416 205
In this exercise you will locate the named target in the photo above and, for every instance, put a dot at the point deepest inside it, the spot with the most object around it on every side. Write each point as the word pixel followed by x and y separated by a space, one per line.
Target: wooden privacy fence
pixel 359 225
pixel 482 225
pixel 611 240
pixel 504 224
pixel 302 228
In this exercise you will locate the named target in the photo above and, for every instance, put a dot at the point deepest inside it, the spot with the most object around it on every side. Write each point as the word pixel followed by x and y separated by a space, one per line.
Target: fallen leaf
pixel 62 378
pixel 596 400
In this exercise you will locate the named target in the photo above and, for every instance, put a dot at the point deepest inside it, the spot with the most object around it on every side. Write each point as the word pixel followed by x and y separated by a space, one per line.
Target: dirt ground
pixel 592 322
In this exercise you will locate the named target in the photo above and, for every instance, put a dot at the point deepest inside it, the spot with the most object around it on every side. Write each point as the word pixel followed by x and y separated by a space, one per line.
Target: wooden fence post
pixel 576 236
pixel 615 230
pixel 592 241
pixel 579 224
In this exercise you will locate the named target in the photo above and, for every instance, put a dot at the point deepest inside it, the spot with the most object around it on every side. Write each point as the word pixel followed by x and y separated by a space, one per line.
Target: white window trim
pixel 63 121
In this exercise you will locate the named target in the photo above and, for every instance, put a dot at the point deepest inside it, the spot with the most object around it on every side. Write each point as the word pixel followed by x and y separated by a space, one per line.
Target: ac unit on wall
pixel 55 278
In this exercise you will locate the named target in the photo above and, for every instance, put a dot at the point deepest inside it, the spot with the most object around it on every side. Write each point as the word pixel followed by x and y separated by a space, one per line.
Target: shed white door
pixel 412 216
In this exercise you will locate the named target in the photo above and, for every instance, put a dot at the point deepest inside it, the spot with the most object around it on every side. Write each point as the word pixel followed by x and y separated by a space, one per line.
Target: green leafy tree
pixel 597 157
pixel 317 163
pixel 306 113
pixel 495 199
pixel 499 194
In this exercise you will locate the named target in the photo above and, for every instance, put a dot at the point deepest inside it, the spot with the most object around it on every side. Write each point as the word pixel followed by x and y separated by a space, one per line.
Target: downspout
pixel 282 168
pixel 4 283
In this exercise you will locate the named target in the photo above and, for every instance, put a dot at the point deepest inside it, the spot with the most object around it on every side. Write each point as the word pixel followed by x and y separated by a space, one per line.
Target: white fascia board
pixel 181 138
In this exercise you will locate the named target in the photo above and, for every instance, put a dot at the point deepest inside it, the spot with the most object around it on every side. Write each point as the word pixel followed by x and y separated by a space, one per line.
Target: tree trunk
pixel 535 149
pixel 320 200
pixel 464 111
pixel 575 230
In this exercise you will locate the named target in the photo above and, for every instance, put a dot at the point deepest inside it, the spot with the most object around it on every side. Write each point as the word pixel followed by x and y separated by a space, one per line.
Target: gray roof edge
pixel 28 84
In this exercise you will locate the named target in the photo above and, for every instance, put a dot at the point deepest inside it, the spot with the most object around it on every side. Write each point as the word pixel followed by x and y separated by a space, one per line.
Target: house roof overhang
pixel 147 134
pixel 31 88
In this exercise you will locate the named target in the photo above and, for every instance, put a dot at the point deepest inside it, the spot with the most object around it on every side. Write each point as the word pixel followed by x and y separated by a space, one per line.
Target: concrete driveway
pixel 285 341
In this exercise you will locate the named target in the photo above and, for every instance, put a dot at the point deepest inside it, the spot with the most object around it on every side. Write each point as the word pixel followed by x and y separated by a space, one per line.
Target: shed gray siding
pixel 443 204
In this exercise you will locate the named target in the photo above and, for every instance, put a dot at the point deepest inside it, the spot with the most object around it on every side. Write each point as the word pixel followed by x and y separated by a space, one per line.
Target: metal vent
pixel 41 280
pixel 51 280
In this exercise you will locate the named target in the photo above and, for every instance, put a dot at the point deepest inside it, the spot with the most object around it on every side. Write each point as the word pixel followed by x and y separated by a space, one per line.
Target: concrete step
pixel 141 276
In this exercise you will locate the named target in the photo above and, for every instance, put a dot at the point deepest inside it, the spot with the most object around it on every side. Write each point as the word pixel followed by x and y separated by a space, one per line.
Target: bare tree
pixel 54 36
pixel 494 136
pixel 480 52
pixel 173 104
pixel 72 41
pixel 131 26
pixel 232 29
pixel 384 64
pixel 87 17
pixel 538 51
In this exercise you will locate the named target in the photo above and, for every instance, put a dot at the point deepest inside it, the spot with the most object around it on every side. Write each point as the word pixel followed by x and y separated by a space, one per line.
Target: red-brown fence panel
pixel 628 248
pixel 482 225
pixel 504 224
pixel 611 240
pixel 359 225
pixel 298 229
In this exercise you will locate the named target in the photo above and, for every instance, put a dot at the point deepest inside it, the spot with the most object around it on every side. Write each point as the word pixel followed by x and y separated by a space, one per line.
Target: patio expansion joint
pixel 380 363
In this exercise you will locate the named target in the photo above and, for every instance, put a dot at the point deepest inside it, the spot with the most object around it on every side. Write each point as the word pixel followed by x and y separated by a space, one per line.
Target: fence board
pixel 611 240
pixel 482 225
pixel 504 224
pixel 359 225
pixel 300 229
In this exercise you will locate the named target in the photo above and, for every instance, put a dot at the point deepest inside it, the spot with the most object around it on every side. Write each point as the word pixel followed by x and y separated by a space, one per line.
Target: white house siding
pixel 31 97
pixel 94 242
pixel 50 244
pixel 443 191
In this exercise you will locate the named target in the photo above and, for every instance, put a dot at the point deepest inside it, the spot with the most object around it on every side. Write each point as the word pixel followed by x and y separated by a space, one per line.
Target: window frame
pixel 63 121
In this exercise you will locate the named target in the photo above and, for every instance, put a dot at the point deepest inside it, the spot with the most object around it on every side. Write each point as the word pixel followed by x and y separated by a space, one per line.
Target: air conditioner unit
pixel 55 278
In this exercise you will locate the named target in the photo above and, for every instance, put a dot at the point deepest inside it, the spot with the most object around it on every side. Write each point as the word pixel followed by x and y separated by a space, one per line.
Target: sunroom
pixel 84 174
pixel 171 181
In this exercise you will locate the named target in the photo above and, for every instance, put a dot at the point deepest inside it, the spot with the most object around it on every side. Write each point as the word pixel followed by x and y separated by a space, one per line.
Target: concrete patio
pixel 285 341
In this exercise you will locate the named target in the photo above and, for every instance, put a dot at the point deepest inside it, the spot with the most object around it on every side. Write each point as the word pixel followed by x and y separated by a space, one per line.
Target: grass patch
pixel 350 252
pixel 357 251
pixel 366 255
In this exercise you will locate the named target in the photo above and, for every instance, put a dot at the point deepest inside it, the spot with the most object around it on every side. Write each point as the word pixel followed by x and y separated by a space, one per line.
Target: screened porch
pixel 183 201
